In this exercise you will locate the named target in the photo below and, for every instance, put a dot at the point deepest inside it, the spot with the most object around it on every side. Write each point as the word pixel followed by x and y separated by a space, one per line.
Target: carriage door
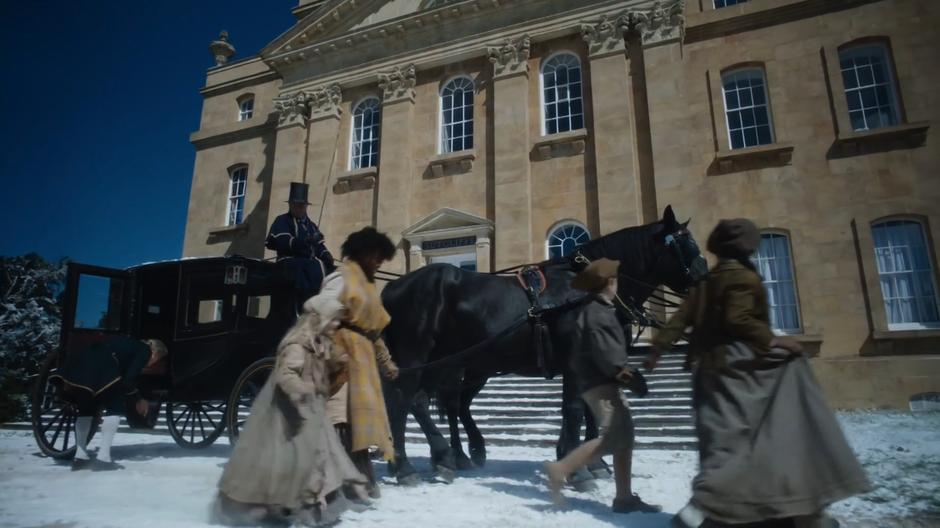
pixel 205 319
pixel 97 303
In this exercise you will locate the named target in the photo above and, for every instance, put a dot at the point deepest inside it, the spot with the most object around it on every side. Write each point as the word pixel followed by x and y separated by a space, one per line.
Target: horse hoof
pixel 445 474
pixel 464 463
pixel 478 457
pixel 410 481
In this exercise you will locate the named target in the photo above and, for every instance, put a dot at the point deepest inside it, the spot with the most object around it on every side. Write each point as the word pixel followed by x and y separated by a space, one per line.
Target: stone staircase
pixel 519 411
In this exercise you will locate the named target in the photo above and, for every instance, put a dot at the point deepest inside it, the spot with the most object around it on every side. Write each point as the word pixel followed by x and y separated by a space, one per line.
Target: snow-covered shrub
pixel 30 319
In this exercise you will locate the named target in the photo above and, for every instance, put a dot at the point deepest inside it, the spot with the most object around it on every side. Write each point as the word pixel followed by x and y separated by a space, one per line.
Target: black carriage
pixel 220 318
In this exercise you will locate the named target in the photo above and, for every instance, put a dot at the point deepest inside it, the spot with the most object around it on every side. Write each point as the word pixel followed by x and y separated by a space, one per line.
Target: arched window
pixel 238 181
pixel 246 107
pixel 869 86
pixel 776 267
pixel 457 115
pixel 565 238
pixel 367 117
pixel 906 274
pixel 746 109
pixel 562 106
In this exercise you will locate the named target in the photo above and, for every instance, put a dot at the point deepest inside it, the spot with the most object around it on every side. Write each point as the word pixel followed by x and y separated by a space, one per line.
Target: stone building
pixel 488 133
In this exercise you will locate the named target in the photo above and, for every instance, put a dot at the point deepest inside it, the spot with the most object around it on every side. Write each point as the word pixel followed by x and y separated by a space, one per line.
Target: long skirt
pixel 288 463
pixel 770 447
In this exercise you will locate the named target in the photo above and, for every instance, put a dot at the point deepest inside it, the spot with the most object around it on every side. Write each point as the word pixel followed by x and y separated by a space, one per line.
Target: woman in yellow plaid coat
pixel 358 408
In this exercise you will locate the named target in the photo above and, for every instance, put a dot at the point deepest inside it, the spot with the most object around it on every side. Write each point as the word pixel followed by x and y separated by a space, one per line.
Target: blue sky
pixel 99 98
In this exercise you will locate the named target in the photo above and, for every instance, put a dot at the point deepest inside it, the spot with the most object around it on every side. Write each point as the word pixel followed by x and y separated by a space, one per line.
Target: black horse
pixel 439 311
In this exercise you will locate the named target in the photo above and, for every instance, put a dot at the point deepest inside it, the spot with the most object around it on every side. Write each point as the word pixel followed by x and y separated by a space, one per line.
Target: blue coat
pixel 300 244
pixel 299 239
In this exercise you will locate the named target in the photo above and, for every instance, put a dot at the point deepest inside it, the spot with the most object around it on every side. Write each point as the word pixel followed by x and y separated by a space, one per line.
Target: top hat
pixel 298 193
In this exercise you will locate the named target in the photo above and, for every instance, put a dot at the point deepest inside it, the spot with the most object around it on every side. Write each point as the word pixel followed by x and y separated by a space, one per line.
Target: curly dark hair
pixel 367 241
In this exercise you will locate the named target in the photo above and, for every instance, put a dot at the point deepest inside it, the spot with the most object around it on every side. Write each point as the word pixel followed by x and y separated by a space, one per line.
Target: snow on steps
pixel 521 411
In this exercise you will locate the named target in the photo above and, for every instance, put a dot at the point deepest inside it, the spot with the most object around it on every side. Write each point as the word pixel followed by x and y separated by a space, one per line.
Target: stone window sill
pixel 229 230
pixel 775 154
pixel 461 161
pixel 811 343
pixel 902 343
pixel 908 135
pixel 906 334
pixel 558 144
pixel 356 180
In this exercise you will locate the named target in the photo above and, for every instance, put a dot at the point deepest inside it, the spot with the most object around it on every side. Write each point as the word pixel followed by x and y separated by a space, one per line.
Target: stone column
pixel 293 111
pixel 322 140
pixel 395 159
pixel 614 128
pixel 512 178
pixel 416 257
pixel 483 254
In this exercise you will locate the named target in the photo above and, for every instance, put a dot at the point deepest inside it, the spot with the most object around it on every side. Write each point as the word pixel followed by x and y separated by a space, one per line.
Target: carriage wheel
pixel 246 389
pixel 53 418
pixel 195 424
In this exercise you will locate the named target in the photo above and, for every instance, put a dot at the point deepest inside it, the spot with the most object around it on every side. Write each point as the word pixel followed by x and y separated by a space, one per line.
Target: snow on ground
pixel 164 485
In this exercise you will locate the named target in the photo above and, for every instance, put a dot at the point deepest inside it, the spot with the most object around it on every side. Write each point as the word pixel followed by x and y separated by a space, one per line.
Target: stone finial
pixel 221 49
pixel 398 84
pixel 605 36
pixel 324 101
pixel 661 22
pixel 511 57
pixel 293 109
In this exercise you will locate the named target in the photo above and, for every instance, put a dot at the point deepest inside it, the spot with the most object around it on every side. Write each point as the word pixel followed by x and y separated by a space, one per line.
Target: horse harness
pixel 533 283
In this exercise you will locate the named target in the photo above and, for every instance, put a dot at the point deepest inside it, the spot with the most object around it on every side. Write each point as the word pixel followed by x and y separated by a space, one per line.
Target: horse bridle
pixel 643 316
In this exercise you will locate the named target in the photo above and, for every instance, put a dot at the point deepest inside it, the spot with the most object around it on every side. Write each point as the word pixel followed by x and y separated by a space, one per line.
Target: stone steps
pixel 520 411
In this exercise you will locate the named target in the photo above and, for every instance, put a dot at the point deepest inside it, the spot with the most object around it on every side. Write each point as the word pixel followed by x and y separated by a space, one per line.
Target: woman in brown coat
pixel 289 464
pixel 770 449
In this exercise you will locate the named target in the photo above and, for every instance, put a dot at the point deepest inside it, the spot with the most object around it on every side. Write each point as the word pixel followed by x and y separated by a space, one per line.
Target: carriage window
pixel 209 311
pixel 259 307
pixel 99 303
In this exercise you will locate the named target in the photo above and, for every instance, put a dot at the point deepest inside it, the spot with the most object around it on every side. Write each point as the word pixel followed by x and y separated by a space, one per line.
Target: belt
pixel 371 335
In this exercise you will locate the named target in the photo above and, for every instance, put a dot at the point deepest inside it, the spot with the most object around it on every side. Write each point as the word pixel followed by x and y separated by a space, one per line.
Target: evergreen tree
pixel 30 319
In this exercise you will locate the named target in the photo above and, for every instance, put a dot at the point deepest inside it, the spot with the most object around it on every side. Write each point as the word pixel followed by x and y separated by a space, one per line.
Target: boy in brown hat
pixel 600 367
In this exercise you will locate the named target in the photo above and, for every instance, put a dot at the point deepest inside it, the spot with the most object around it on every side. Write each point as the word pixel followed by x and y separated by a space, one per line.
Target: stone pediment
pixel 336 17
pixel 447 222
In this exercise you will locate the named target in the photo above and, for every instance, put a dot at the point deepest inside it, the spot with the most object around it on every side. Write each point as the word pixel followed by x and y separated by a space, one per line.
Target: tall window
pixel 246 106
pixel 725 3
pixel 457 115
pixel 775 266
pixel 365 141
pixel 746 109
pixel 869 86
pixel 561 94
pixel 238 180
pixel 906 274
pixel 565 238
